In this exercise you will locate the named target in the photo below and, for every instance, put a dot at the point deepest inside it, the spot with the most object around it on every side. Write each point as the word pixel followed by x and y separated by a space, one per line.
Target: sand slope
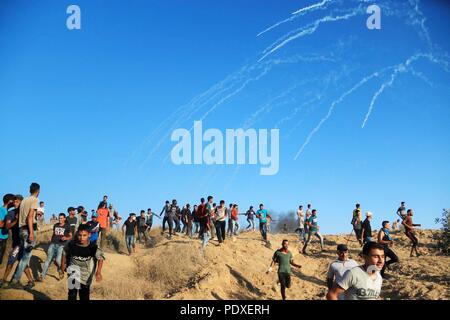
pixel 178 269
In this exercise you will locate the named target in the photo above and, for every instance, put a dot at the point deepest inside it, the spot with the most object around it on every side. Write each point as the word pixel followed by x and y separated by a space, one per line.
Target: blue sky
pixel 82 108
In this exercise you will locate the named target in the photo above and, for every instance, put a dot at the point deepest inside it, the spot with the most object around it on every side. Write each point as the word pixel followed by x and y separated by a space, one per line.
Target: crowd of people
pixel 77 242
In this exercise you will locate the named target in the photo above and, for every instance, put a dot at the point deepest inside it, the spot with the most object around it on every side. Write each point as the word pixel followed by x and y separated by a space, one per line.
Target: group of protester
pixel 346 280
pixel 77 242
pixel 209 220
pixel 73 245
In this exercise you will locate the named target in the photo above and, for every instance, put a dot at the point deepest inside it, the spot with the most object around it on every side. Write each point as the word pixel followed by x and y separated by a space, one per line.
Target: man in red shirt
pixel 103 219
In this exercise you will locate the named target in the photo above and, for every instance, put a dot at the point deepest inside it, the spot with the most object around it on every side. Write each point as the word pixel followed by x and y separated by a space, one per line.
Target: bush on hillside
pixel 443 239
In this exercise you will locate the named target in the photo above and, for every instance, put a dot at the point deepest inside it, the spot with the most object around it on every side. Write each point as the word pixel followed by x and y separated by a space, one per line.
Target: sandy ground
pixel 179 269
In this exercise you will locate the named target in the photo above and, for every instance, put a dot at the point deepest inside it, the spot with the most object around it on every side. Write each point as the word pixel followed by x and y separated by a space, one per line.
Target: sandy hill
pixel 179 269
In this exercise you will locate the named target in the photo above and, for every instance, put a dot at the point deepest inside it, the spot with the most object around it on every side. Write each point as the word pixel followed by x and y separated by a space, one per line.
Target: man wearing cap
pixel 94 228
pixel 338 268
pixel 366 235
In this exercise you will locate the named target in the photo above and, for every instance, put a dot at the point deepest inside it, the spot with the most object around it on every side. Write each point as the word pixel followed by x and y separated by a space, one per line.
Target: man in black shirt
pixel 129 229
pixel 61 234
pixel 366 235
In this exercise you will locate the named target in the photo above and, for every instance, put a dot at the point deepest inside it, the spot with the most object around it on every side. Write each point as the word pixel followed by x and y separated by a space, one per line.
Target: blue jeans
pixel 263 230
pixel 251 224
pixel 195 229
pixel 206 237
pixel 130 242
pixel 26 256
pixel 54 251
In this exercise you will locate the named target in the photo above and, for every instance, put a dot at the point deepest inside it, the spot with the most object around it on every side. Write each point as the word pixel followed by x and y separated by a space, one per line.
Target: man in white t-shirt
pixel 363 282
pixel 40 213
pixel 338 268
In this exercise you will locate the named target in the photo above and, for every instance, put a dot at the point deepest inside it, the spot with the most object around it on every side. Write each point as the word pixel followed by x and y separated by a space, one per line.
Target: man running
pixel 250 218
pixel 166 211
pixel 313 231
pixel 366 234
pixel 338 268
pixel 284 259
pixel 385 239
pixel 261 214
pixel 61 235
pixel 410 232
pixel 363 282
pixel 27 213
pixel 129 230
pixel 83 259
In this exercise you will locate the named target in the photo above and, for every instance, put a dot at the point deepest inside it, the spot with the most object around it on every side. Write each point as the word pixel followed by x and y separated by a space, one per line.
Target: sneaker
pixel 15 285
pixel 30 285
pixel 39 279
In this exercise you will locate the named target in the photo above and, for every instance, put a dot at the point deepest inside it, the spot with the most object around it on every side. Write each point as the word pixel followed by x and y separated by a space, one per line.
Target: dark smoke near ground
pixel 282 218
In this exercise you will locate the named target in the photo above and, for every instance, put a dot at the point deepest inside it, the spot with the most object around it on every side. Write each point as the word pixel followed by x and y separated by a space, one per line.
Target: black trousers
pixel 388 253
pixel 83 293
pixel 220 231
pixel 2 249
pixel 285 282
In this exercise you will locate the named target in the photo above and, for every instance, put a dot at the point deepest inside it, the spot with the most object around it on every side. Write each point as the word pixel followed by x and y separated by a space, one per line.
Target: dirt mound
pixel 180 269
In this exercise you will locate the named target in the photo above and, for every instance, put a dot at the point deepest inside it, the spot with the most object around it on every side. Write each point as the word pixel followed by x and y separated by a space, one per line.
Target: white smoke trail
pixel 330 110
pixel 297 14
pixel 310 29
pixel 311 7
pixel 399 69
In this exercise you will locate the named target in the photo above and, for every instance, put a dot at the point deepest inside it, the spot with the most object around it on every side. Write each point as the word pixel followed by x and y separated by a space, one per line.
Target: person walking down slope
pixel 61 235
pixel 173 213
pixel 313 231
pixel 301 224
pixel 166 211
pixel 366 234
pixel 142 227
pixel 130 229
pixel 220 222
pixel 103 219
pixel 87 259
pixel 385 239
pixel 285 260
pixel 250 219
pixel 261 214
pixel 338 268
pixel 358 227
pixel 27 213
pixel 410 232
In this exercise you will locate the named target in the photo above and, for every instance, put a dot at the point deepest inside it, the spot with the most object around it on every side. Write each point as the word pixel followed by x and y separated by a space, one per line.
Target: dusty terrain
pixel 179 269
